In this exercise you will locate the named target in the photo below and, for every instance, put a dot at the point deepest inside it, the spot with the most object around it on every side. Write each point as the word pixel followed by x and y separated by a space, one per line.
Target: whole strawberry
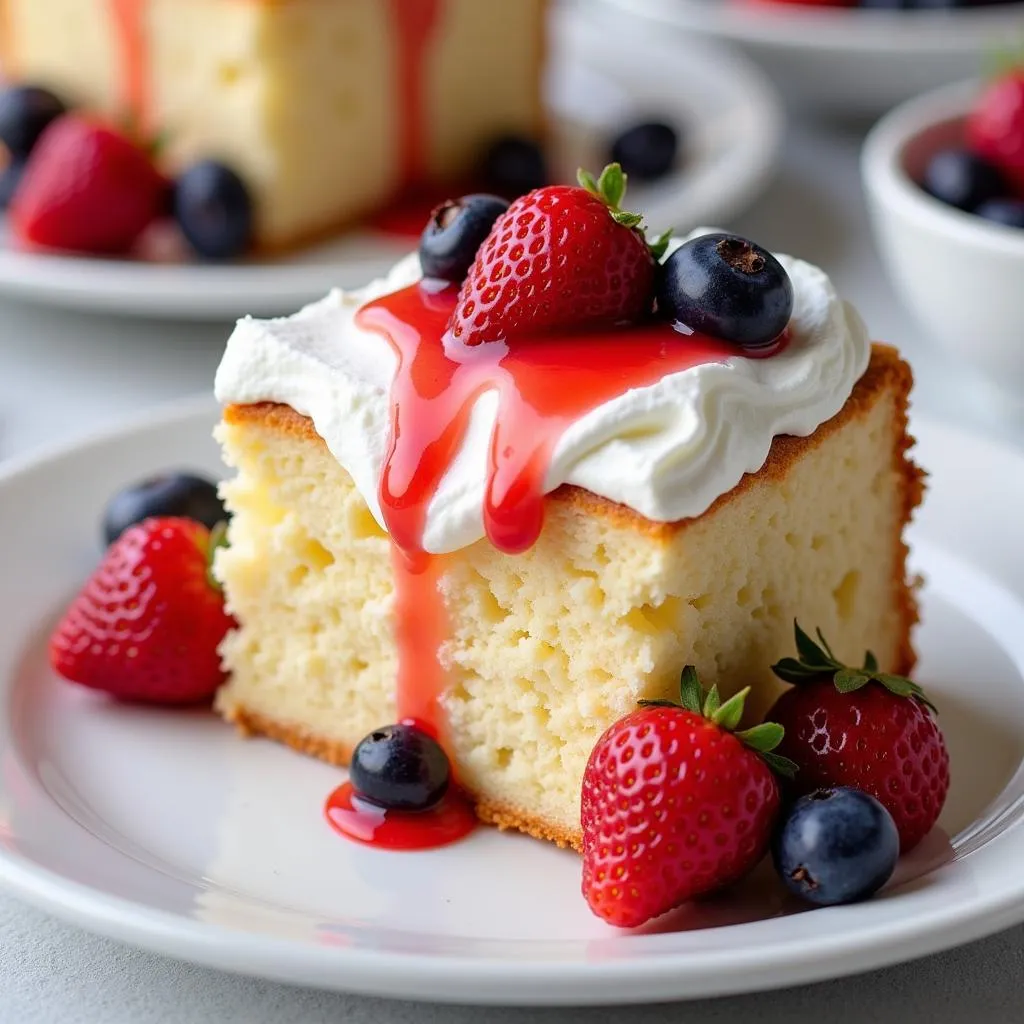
pixel 560 257
pixel 676 804
pixel 995 127
pixel 147 624
pixel 87 188
pixel 865 729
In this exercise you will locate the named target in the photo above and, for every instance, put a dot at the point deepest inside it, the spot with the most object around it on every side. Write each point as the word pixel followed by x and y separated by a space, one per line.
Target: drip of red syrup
pixel 415 22
pixel 128 17
pixel 448 822
pixel 544 383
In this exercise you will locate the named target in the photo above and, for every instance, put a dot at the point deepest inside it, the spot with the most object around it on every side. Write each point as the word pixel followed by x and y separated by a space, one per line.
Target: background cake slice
pixel 549 648
pixel 326 108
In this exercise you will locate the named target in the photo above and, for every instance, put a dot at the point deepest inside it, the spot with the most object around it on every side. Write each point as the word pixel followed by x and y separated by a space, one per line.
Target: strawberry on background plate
pixel 676 804
pixel 869 730
pixel 87 188
pixel 995 127
pixel 147 624
pixel 562 256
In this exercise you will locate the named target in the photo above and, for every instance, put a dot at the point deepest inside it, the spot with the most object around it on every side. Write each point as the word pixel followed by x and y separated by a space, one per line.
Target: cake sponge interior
pixel 547 649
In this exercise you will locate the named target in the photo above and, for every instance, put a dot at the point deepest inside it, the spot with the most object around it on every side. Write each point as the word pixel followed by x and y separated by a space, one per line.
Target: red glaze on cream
pixel 451 820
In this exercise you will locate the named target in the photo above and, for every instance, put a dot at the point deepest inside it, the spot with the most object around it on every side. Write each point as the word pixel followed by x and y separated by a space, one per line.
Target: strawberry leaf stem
pixel 610 188
pixel 816 661
pixel 762 739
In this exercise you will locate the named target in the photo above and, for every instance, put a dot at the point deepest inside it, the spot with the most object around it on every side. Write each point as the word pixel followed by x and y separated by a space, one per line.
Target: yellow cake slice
pixel 325 108
pixel 547 649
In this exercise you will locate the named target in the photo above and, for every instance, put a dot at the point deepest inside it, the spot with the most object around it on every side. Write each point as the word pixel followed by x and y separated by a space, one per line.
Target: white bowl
pixel 960 275
pixel 846 61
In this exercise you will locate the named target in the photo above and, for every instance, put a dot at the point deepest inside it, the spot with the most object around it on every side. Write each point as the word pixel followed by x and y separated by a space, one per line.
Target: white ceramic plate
pixel 729 113
pixel 167 830
pixel 846 61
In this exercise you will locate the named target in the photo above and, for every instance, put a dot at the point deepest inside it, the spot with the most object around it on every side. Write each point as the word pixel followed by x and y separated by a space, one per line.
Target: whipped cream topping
pixel 667 450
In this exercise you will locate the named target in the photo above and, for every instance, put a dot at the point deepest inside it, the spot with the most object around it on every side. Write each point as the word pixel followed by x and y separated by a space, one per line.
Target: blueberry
pixel 961 179
pixel 453 234
pixel 726 287
pixel 514 166
pixel 1003 211
pixel 10 179
pixel 836 846
pixel 25 113
pixel 401 768
pixel 171 494
pixel 214 210
pixel 646 151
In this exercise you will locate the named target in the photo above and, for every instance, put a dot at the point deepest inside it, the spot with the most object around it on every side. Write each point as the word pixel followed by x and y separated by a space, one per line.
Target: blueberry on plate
pixel 646 151
pixel 961 179
pixel 401 768
pixel 26 111
pixel 1009 212
pixel 214 210
pixel 728 288
pixel 514 166
pixel 836 846
pixel 170 494
pixel 453 234
pixel 10 179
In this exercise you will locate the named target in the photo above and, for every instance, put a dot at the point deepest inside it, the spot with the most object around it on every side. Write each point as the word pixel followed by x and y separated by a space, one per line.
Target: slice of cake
pixel 327 109
pixel 682 502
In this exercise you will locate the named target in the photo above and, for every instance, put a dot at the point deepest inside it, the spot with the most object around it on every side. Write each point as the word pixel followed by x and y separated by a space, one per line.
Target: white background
pixel 63 374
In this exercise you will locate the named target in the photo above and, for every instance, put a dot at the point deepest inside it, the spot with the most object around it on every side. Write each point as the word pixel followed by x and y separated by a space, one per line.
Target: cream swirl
pixel 667 450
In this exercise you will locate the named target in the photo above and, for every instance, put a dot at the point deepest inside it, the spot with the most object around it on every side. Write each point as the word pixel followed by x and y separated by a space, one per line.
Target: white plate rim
pixel 712 190
pixel 493 980
pixel 838 29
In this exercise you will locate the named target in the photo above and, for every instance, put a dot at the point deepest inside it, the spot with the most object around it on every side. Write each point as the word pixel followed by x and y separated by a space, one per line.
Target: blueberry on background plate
pixel 836 846
pixel 401 768
pixel 453 234
pixel 1009 212
pixel 646 151
pixel 10 178
pixel 170 494
pixel 726 287
pixel 961 179
pixel 514 165
pixel 214 210
pixel 25 113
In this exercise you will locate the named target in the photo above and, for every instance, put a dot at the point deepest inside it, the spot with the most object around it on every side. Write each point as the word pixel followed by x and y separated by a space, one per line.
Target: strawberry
pixel 87 188
pixel 865 729
pixel 995 127
pixel 147 624
pixel 676 804
pixel 559 257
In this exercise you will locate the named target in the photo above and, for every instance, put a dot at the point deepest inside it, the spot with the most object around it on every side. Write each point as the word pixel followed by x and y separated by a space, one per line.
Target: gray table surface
pixel 63 374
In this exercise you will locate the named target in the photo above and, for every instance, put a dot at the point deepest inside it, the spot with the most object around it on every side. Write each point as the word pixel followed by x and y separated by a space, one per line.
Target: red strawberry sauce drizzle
pixel 128 17
pixel 544 384
pixel 451 820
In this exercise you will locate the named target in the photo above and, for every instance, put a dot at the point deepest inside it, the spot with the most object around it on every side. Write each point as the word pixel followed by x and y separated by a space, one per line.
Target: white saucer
pixel 842 60
pixel 166 830
pixel 729 113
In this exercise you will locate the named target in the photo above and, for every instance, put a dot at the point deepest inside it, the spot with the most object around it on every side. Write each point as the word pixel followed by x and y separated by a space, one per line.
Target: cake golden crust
pixel 887 375
pixel 490 812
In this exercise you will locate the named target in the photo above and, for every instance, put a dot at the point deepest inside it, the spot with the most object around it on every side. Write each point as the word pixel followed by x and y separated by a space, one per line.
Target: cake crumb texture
pixel 549 648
